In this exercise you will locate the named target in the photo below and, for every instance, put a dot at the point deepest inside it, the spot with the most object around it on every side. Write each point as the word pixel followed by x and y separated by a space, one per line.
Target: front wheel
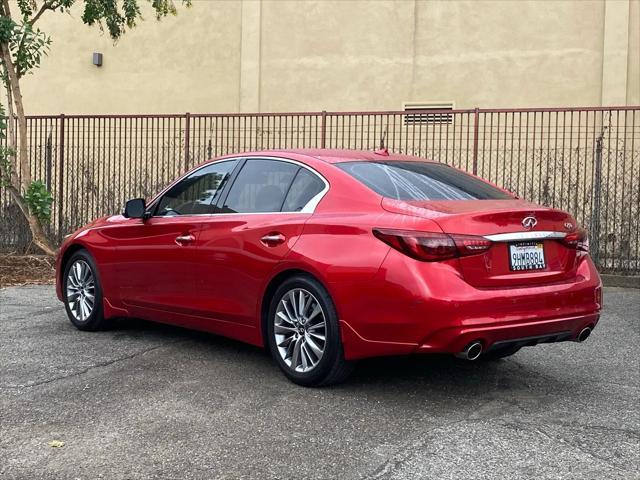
pixel 83 292
pixel 303 334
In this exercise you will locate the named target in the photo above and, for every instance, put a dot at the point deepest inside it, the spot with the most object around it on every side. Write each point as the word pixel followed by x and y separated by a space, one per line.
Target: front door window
pixel 196 194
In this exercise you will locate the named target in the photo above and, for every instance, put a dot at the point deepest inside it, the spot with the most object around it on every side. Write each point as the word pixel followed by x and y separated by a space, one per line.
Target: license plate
pixel 526 256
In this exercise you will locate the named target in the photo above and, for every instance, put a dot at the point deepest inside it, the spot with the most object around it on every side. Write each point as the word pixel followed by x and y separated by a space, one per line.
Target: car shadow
pixel 432 374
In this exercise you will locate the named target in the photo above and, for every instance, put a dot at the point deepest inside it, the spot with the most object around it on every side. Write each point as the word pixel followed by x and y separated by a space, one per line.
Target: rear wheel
pixel 303 334
pixel 83 292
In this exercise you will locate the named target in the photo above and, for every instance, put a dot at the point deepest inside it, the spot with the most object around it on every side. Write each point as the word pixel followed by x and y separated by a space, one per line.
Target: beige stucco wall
pixel 281 55
pixel 633 62
pixel 188 62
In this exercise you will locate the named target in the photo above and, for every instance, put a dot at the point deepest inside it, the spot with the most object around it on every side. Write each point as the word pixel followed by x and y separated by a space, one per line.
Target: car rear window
pixel 421 181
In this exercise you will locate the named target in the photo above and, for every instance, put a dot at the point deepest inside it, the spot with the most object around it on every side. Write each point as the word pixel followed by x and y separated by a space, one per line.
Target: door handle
pixel 183 240
pixel 273 239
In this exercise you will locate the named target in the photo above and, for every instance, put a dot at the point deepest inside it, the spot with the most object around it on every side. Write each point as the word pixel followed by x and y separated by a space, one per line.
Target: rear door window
pixel 260 187
pixel 421 181
pixel 303 189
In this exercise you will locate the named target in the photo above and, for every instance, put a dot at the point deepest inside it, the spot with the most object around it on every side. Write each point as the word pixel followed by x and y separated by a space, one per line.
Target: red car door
pixel 156 263
pixel 261 218
pixel 157 257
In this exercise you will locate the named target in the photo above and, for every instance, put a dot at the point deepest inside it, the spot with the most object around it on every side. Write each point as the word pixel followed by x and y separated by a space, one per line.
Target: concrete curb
pixel 620 281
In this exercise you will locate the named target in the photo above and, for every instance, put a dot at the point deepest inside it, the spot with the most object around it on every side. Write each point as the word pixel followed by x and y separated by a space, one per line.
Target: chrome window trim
pixel 507 237
pixel 228 213
pixel 309 208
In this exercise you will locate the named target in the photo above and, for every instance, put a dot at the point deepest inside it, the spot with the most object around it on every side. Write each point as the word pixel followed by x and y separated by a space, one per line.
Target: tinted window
pixel 260 186
pixel 197 193
pixel 421 181
pixel 305 186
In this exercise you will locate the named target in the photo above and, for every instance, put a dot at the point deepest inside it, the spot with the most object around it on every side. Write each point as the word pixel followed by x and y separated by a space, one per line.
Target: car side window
pixel 260 186
pixel 196 194
pixel 305 186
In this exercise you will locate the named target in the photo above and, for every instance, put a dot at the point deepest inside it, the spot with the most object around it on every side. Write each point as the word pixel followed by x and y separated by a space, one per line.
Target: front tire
pixel 303 334
pixel 82 292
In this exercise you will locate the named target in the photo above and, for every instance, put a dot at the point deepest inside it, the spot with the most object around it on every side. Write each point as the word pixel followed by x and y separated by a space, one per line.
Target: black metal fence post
pixel 323 129
pixel 597 194
pixel 476 121
pixel 61 178
pixel 187 139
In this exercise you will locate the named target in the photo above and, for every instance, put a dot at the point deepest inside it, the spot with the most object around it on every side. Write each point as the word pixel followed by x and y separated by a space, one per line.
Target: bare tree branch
pixel 45 6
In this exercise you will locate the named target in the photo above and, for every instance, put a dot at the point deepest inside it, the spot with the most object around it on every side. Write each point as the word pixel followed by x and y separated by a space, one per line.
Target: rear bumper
pixel 414 307
pixel 455 339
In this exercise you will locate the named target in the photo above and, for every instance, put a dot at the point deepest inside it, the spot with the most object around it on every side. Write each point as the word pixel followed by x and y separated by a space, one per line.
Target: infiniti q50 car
pixel 329 256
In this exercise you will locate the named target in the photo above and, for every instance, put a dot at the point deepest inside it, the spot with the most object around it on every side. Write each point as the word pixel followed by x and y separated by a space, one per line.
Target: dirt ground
pixel 26 270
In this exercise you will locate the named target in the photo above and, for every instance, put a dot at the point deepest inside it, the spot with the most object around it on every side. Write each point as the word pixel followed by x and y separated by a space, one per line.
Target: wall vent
pixel 424 116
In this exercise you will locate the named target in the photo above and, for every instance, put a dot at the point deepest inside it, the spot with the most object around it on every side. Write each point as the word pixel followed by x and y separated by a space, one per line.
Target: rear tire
pixel 82 292
pixel 303 334
pixel 501 352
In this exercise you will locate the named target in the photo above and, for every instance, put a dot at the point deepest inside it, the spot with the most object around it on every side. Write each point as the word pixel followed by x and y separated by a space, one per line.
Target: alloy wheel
pixel 81 290
pixel 300 330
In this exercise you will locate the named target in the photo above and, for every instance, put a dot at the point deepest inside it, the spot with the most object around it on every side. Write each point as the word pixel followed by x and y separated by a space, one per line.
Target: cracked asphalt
pixel 151 401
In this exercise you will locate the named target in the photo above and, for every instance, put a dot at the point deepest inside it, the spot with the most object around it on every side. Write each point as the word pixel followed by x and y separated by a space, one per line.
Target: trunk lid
pixel 502 221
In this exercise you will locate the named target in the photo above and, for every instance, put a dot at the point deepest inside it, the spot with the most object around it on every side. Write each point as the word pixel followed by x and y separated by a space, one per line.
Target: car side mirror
pixel 135 208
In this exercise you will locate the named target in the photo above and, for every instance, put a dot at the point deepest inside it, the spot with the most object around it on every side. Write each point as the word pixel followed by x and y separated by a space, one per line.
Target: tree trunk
pixel 15 98
pixel 37 232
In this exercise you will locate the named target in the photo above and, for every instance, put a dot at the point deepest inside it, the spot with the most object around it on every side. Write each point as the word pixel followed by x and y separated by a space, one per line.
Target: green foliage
pixel 28 51
pixel 6 168
pixel 165 7
pixel 39 200
pixel 27 45
pixel 107 13
pixel 26 7
pixel 6 153
pixel 3 123
pixel 7 27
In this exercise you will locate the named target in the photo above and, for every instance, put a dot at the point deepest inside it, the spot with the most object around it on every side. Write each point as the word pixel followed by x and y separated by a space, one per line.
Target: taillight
pixel 432 247
pixel 578 240
pixel 470 244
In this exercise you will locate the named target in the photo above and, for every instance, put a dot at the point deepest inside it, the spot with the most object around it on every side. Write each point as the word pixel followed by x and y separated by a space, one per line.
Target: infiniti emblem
pixel 529 222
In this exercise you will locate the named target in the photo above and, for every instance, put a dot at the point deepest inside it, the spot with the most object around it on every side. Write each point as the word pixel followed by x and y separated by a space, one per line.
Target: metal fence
pixel 583 160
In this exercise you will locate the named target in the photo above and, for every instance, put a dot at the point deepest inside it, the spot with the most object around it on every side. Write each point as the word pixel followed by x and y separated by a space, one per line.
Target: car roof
pixel 341 155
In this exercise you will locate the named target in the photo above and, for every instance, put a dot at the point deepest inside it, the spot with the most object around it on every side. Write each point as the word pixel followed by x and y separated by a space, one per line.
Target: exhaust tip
pixel 584 334
pixel 471 352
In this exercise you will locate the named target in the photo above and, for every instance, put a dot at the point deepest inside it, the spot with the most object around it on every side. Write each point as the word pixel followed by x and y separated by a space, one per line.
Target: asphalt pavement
pixel 150 401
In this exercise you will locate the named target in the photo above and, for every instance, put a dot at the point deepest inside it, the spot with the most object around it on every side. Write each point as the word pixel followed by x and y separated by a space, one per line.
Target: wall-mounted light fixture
pixel 97 59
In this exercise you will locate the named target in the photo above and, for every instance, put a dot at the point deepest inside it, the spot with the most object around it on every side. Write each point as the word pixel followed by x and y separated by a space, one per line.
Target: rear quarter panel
pixel 341 251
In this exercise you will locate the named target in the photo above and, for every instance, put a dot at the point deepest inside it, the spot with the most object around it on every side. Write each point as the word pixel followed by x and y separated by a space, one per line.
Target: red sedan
pixel 329 256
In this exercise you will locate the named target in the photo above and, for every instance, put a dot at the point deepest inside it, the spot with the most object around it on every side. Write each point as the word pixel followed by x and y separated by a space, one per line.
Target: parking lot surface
pixel 152 401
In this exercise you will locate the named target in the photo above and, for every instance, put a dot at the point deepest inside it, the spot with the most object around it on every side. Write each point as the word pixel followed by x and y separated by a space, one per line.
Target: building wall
pixel 633 58
pixel 281 55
